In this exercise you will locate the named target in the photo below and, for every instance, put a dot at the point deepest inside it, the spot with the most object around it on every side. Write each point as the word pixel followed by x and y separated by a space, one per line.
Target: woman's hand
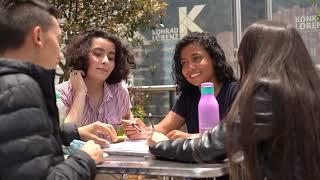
pixel 76 112
pixel 77 82
pixel 90 132
pixel 175 134
pixel 131 131
pixel 93 150
pixel 155 137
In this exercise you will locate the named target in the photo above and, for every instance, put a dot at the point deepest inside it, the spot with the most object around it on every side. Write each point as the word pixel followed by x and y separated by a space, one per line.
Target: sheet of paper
pixel 129 148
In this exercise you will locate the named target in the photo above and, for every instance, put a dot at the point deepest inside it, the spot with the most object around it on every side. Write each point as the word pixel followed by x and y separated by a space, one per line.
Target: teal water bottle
pixel 208 108
pixel 61 108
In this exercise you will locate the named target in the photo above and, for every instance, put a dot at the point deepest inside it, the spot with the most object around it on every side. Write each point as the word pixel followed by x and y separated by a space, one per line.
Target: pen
pixel 151 122
pixel 135 126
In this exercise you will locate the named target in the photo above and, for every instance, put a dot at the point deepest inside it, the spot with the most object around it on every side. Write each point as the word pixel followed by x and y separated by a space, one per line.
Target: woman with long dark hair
pixel 198 58
pixel 275 119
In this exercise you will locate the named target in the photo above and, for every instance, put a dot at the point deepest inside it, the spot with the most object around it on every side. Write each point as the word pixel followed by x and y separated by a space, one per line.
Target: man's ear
pixel 37 36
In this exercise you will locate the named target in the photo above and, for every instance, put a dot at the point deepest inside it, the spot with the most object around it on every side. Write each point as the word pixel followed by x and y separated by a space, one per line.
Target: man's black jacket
pixel 30 136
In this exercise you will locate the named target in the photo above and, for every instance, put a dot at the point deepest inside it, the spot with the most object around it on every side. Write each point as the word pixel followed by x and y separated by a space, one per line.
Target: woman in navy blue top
pixel 187 104
pixel 198 58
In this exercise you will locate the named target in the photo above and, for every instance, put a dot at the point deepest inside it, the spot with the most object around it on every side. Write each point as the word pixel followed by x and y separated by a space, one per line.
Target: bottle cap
pixel 207 88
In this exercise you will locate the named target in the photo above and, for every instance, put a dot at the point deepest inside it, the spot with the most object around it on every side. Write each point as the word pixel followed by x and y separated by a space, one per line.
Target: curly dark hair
pixel 208 42
pixel 77 54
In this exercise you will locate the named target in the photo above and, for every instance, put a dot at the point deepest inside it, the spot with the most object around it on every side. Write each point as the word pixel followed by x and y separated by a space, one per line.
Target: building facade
pixel 227 19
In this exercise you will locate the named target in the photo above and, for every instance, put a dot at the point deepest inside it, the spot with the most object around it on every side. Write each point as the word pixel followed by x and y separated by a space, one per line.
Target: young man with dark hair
pixel 30 137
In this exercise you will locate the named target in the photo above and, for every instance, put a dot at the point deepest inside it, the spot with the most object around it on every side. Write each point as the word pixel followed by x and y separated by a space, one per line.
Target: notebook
pixel 128 148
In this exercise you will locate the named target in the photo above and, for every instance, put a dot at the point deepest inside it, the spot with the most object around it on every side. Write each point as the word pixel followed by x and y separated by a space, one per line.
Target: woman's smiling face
pixel 197 65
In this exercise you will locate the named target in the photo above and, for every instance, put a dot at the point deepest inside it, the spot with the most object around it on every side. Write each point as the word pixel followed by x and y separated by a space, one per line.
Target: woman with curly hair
pixel 98 62
pixel 198 58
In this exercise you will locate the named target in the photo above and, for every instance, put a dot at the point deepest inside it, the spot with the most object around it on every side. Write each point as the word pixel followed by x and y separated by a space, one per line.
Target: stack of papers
pixel 129 148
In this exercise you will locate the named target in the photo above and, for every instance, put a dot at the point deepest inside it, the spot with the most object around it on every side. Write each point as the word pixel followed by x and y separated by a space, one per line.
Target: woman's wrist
pixel 81 93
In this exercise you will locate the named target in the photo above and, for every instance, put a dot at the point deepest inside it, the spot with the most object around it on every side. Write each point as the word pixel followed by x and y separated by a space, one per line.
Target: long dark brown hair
pixel 275 52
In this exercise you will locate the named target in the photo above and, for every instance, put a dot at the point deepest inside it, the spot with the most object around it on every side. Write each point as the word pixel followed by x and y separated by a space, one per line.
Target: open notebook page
pixel 129 148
